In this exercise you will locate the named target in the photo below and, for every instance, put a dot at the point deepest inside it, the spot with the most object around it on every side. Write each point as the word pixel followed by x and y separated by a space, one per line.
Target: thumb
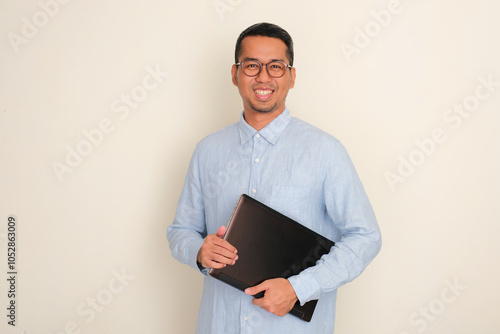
pixel 221 231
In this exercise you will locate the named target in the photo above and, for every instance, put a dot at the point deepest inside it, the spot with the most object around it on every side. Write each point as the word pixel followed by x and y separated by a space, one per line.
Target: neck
pixel 259 120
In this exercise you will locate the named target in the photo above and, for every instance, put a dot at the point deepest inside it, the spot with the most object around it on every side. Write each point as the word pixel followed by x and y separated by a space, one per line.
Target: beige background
pixel 379 75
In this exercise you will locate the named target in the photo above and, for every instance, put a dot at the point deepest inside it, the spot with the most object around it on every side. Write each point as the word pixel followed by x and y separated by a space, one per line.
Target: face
pixel 263 93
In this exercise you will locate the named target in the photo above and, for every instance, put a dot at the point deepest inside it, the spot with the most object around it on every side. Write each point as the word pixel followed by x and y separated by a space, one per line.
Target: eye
pixel 276 66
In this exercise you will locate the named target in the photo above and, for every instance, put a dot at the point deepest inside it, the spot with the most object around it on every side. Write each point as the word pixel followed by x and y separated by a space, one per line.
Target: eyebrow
pixel 249 58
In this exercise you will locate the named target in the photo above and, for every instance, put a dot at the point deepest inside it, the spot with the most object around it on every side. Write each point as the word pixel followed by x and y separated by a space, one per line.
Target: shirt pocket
pixel 292 201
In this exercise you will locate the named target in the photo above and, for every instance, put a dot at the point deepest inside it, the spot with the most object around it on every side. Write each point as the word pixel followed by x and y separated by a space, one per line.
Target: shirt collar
pixel 270 132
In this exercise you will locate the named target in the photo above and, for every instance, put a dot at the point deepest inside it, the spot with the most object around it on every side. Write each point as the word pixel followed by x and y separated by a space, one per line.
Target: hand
pixel 279 296
pixel 216 252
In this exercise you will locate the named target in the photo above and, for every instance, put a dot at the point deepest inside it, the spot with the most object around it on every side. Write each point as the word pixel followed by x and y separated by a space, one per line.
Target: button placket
pixel 258 148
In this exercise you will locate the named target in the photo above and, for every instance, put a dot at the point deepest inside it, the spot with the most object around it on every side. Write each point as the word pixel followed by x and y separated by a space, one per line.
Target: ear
pixel 234 70
pixel 292 77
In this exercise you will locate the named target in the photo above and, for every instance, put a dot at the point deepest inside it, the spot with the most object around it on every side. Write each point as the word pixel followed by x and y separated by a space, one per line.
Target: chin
pixel 263 109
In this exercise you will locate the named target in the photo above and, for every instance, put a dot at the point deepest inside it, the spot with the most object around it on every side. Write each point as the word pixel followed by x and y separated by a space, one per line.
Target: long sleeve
pixel 186 234
pixel 350 210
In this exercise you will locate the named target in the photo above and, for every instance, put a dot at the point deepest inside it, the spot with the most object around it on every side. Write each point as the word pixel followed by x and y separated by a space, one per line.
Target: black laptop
pixel 270 245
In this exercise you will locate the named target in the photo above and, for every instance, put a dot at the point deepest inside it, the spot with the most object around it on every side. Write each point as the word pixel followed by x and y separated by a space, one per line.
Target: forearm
pixel 188 230
pixel 184 244
pixel 346 261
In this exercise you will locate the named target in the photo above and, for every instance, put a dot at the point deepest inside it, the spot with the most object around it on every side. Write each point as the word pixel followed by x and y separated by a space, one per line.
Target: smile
pixel 263 94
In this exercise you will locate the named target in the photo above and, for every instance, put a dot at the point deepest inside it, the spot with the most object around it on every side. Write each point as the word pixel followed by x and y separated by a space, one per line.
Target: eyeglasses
pixel 275 69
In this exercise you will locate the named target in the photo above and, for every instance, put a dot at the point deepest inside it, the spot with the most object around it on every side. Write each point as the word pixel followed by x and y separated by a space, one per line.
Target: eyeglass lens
pixel 275 69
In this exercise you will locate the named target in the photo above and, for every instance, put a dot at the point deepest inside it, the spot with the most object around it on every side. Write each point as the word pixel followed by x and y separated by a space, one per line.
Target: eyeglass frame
pixel 267 68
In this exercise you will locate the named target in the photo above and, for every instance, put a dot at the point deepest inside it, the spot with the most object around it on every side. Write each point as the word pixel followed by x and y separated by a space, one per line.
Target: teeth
pixel 263 92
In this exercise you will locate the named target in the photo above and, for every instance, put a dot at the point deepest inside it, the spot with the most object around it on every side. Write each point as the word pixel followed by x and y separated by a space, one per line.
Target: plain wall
pixel 102 103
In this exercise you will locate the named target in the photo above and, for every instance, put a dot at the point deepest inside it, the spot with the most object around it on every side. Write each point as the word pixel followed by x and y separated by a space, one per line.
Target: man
pixel 289 165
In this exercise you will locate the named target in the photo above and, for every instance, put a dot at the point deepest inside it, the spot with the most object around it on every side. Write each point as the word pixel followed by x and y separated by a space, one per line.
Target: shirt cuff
pixel 305 286
pixel 193 254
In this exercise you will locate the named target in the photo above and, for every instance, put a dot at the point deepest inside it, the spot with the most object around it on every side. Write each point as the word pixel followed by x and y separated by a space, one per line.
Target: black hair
pixel 266 30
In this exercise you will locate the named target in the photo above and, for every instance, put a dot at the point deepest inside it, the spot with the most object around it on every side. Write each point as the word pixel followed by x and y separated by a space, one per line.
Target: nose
pixel 263 75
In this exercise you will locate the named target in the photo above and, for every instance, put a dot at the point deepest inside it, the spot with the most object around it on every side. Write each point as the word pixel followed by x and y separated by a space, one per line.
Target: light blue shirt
pixel 298 170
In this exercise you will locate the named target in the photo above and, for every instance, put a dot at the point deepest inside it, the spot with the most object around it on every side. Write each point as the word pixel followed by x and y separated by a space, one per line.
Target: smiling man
pixel 289 165
pixel 263 89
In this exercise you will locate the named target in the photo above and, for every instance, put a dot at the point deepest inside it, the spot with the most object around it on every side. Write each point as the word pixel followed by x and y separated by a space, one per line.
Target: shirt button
pixel 257 135
pixel 254 191
pixel 256 160
pixel 245 318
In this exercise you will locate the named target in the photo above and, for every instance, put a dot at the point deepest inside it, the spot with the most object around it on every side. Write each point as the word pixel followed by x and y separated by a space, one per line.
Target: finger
pixel 213 260
pixel 220 246
pixel 210 254
pixel 216 264
pixel 213 247
pixel 261 301
pixel 226 250
pixel 253 290
pixel 222 243
pixel 223 259
pixel 221 231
